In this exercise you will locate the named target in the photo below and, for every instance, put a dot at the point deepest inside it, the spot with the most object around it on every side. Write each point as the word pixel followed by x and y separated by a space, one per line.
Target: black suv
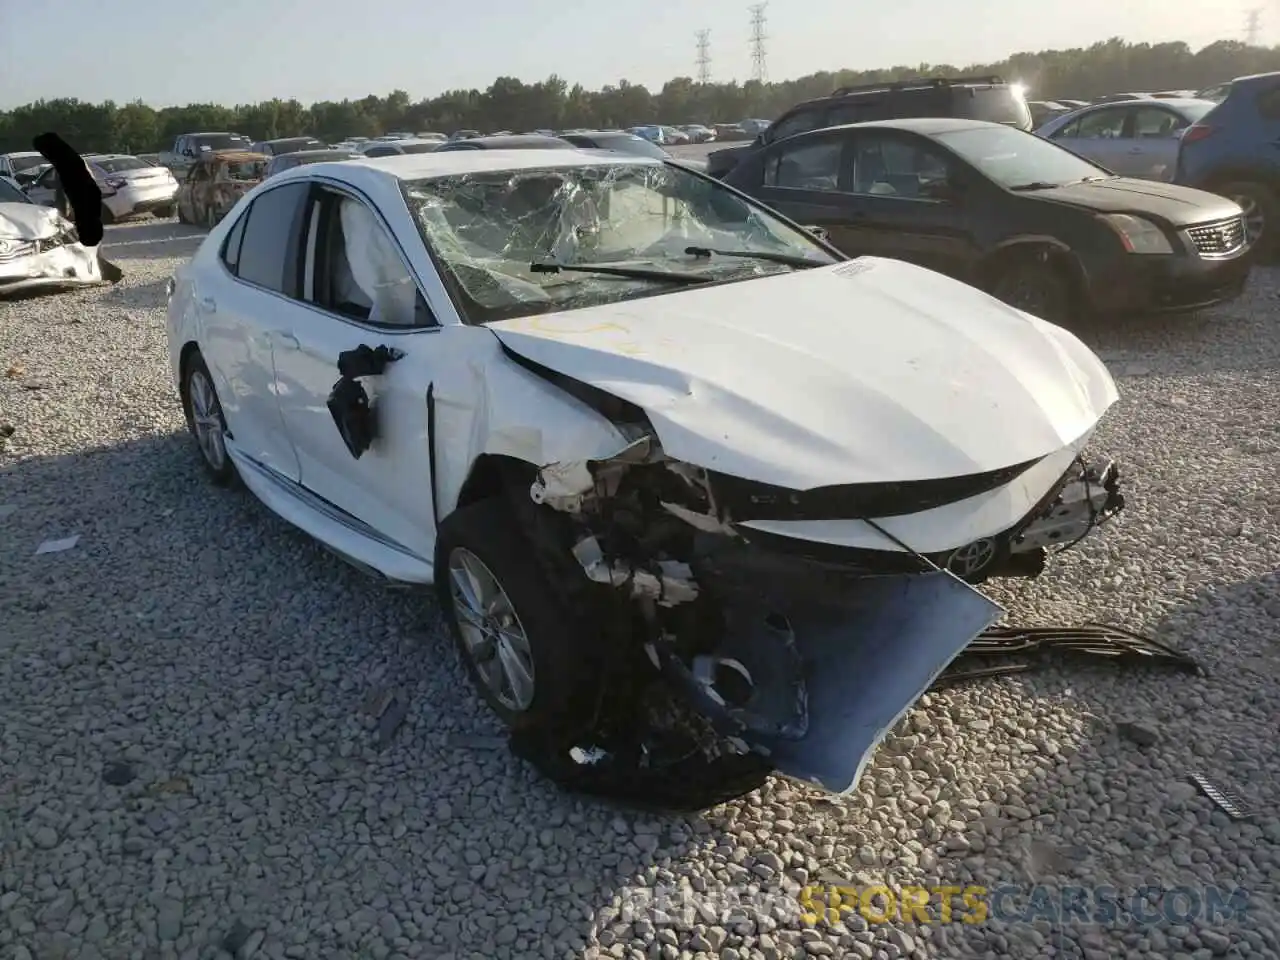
pixel 964 98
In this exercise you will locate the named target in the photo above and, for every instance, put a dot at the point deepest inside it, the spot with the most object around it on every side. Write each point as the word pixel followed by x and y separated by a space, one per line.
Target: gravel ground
pixel 189 766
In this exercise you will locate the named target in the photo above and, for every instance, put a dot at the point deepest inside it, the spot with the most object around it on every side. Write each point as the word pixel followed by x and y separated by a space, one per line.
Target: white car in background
pixel 129 187
pixel 22 166
pixel 640 433
pixel 39 247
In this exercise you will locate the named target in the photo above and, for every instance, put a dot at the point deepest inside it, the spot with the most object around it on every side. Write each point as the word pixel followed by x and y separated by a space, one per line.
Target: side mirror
pixel 819 232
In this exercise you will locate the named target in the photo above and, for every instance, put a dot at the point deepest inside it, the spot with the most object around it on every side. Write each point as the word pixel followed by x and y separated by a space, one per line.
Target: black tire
pixel 1261 210
pixel 182 217
pixel 1036 287
pixel 210 218
pixel 561 677
pixel 163 213
pixel 107 216
pixel 222 471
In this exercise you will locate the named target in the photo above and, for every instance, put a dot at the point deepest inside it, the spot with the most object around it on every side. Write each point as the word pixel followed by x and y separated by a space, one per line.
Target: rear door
pixel 1154 133
pixel 908 200
pixel 1098 135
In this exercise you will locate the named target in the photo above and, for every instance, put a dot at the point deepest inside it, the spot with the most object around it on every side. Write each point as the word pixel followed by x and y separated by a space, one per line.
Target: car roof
pixel 211 133
pixel 236 156
pixel 515 140
pixel 304 136
pixel 326 151
pixel 928 126
pixel 23 153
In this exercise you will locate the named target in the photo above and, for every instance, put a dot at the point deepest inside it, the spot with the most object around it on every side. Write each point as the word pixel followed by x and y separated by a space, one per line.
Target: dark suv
pixel 966 98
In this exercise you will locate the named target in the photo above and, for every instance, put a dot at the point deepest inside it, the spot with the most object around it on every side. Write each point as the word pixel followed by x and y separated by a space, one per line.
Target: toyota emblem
pixel 970 559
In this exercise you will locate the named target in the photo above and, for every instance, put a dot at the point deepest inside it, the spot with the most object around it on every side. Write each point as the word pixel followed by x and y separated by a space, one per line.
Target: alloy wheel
pixel 206 420
pixel 492 634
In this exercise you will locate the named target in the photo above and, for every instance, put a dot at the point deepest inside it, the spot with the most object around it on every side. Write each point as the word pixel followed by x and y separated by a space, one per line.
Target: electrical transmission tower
pixel 704 56
pixel 758 69
pixel 1253 25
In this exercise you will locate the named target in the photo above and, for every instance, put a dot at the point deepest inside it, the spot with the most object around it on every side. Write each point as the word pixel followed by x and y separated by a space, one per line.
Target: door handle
pixel 209 304
pixel 289 340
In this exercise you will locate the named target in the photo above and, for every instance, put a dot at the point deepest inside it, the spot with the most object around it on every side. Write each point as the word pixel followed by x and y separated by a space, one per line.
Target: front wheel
pixel 1260 208
pixel 1035 287
pixel 163 213
pixel 518 645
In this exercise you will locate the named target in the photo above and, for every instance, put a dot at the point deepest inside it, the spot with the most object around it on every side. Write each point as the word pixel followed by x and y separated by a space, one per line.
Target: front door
pixel 1099 135
pixel 1155 133
pixel 909 198
pixel 802 181
pixel 359 293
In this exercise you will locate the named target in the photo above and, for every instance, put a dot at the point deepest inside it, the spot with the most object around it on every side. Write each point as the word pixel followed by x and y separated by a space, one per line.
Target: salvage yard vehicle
pixel 299 158
pixel 508 141
pixel 1137 138
pixel 188 148
pixel 285 145
pixel 130 186
pixel 1016 215
pixel 22 166
pixel 216 183
pixel 987 98
pixel 39 248
pixel 691 485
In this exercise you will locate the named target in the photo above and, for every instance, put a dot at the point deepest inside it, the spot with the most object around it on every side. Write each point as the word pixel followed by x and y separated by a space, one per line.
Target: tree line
pixel 1110 66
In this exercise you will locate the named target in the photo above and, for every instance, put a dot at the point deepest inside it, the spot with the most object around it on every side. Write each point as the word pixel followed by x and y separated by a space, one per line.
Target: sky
pixel 244 51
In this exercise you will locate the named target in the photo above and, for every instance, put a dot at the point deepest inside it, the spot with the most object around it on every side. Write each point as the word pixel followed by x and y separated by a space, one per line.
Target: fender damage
pixel 768 659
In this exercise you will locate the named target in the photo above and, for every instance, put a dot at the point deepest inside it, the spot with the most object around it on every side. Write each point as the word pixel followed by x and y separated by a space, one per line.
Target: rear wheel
pixel 107 215
pixel 1260 210
pixel 206 422
pixel 163 213
pixel 1034 286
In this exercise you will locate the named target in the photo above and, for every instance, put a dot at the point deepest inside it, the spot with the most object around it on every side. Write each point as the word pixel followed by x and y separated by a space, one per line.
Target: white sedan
pixel 129 186
pixel 642 434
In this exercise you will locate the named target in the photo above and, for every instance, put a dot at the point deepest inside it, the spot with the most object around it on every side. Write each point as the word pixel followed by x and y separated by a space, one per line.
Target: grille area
pixel 1219 239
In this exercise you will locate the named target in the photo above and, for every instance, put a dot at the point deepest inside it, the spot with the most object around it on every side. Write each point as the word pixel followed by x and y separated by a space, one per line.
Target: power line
pixel 704 56
pixel 1253 26
pixel 758 69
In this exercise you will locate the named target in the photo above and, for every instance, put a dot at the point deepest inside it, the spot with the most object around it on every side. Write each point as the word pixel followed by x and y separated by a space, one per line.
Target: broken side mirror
pixel 819 232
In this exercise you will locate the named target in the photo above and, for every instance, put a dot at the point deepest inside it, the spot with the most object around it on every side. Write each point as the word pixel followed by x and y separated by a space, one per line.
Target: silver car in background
pixel 129 186
pixel 1131 138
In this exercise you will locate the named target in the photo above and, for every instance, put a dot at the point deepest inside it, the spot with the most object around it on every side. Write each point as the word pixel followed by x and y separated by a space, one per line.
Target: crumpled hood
pixel 28 221
pixel 868 371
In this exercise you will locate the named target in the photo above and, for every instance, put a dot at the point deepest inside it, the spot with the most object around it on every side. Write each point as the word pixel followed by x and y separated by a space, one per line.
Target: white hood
pixel 28 221
pixel 868 371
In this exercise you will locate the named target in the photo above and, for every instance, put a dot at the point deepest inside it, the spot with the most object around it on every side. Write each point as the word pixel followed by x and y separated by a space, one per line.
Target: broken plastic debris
pixel 1224 799
pixel 57 546
pixel 589 755
pixel 673 582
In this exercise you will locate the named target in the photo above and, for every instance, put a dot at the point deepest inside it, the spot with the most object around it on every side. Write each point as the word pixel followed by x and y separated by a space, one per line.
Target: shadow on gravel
pixel 1117 803
pixel 229 673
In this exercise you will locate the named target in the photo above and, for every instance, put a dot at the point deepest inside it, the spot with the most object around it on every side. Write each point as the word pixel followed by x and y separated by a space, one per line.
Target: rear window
pixel 991 104
pixel 120 164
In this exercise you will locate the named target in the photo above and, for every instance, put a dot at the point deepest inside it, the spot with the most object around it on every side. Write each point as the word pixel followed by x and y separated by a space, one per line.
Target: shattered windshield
pixel 244 170
pixel 516 243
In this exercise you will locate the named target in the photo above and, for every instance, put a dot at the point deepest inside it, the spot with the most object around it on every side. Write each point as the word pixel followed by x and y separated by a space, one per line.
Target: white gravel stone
pixel 227 660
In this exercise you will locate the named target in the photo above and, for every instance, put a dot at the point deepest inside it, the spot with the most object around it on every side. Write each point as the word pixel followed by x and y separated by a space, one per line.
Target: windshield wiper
pixel 629 273
pixel 790 259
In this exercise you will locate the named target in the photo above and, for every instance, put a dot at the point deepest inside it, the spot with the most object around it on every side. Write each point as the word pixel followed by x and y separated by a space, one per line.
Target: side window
pixel 358 271
pixel 799 122
pixel 180 146
pixel 231 248
pixel 380 152
pixel 48 178
pixel 1102 124
pixel 895 167
pixel 1155 123
pixel 852 111
pixel 1269 104
pixel 1069 132
pixel 812 165
pixel 266 249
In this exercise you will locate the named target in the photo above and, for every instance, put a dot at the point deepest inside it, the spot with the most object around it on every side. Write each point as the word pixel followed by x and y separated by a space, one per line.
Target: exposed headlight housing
pixel 1137 235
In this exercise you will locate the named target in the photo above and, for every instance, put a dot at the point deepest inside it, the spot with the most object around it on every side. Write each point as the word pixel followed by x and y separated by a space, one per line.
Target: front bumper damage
pixel 758 660
pixel 54 262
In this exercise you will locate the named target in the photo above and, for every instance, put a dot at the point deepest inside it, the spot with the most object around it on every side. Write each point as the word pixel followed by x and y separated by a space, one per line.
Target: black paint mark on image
pixel 78 194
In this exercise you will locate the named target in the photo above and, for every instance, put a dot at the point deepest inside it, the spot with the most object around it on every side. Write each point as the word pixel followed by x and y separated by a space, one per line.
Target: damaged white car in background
pixel 39 248
pixel 699 494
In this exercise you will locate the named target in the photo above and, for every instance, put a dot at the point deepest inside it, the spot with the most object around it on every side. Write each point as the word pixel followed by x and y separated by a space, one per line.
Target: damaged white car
pixel 39 248
pixel 699 494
